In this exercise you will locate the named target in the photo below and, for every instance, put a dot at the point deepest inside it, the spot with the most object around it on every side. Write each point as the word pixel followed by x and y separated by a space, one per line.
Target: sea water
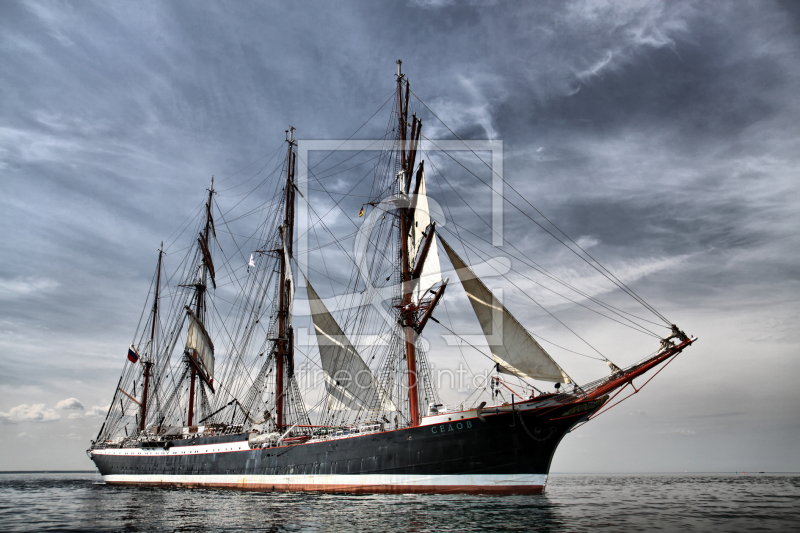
pixel 652 502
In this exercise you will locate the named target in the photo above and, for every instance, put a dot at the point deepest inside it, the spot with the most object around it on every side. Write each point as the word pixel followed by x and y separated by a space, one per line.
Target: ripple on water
pixel 48 502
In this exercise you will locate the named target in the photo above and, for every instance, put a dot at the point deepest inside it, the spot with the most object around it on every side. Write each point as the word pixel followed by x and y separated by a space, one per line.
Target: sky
pixel 662 136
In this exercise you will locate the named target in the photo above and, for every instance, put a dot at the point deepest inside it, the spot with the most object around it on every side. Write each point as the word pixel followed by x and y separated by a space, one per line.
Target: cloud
pixel 587 241
pixel 588 281
pixel 24 287
pixel 69 403
pixel 433 3
pixel 621 30
pixel 473 104
pixel 593 70
pixel 438 4
pixel 97 411
pixel 29 413
pixel 481 109
pixel 53 19
pixel 680 431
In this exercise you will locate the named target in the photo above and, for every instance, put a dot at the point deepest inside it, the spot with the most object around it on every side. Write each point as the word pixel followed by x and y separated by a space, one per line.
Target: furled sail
pixel 288 270
pixel 513 348
pixel 431 269
pixel 348 380
pixel 199 343
pixel 207 260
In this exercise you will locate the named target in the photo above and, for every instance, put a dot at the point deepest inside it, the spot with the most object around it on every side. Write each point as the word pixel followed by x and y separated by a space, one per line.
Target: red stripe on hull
pixel 351 489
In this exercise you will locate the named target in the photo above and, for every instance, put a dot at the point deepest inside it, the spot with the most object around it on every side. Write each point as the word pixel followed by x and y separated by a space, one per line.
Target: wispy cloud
pixel 621 29
pixel 26 287
pixel 683 432
pixel 475 107
pixel 54 19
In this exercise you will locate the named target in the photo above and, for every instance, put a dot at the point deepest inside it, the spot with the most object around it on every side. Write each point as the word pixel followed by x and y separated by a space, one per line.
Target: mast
pixel 148 364
pixel 407 319
pixel 284 362
pixel 401 113
pixel 200 291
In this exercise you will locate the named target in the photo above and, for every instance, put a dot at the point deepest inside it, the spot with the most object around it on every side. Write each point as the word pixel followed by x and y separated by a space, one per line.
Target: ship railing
pixel 443 409
pixel 324 433
pixel 583 390
pixel 341 432
pixel 162 436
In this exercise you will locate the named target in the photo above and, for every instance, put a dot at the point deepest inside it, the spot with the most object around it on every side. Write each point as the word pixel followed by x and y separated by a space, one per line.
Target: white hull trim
pixel 393 483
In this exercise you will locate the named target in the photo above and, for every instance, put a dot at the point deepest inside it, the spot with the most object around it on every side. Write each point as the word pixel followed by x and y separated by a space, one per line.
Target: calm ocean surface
pixel 671 502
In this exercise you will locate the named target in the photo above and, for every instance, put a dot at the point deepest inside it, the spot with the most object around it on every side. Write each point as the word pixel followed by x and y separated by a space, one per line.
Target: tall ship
pixel 216 389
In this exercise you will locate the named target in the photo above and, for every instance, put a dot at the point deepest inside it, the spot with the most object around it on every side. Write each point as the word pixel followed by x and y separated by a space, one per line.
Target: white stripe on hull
pixel 368 483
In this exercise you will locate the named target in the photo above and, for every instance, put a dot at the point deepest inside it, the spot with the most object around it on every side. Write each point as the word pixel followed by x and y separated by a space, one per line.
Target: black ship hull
pixel 508 452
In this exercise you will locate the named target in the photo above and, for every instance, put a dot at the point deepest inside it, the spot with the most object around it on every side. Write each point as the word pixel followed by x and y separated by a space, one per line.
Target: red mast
pixel 191 397
pixel 284 361
pixel 407 312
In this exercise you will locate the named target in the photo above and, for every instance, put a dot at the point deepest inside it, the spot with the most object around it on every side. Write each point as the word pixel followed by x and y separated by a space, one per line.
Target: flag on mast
pixel 251 263
pixel 133 357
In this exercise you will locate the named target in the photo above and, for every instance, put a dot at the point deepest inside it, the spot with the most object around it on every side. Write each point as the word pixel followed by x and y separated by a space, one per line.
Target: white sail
pixel 431 269
pixel 348 380
pixel 197 340
pixel 513 348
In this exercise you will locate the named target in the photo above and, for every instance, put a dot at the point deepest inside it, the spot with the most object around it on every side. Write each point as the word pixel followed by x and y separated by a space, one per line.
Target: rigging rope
pixel 605 272
pixel 391 97
pixel 539 268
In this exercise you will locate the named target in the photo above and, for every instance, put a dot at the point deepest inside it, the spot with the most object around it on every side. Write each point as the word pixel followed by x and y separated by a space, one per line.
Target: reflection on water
pixel 75 502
